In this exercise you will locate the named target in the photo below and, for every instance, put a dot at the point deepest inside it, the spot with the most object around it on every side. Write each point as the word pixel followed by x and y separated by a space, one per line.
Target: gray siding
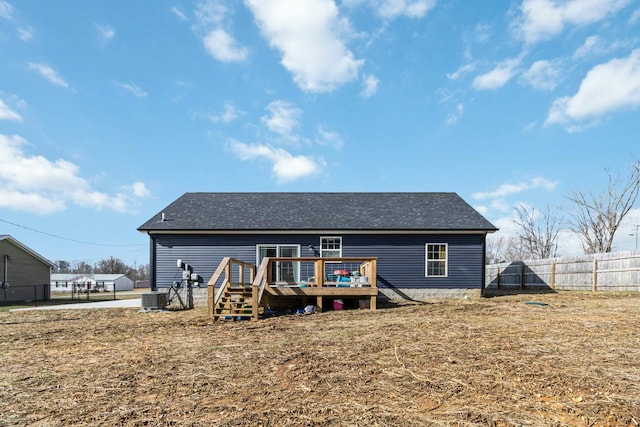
pixel 401 258
pixel 28 276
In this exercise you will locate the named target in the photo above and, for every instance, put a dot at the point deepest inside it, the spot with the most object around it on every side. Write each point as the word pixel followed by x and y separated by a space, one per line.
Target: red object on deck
pixel 341 272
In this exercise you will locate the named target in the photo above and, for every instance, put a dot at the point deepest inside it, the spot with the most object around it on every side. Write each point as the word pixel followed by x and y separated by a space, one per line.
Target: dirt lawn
pixel 493 361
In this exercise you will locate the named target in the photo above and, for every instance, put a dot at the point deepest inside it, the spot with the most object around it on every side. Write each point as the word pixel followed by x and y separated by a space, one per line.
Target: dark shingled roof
pixel 318 211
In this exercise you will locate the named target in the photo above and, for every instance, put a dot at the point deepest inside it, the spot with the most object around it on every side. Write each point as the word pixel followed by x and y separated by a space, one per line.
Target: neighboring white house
pixel 66 282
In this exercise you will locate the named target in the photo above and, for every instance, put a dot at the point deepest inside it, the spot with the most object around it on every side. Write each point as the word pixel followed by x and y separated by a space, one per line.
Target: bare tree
pixel 516 250
pixel 112 265
pixel 496 250
pixel 81 267
pixel 597 217
pixel 502 249
pixel 62 266
pixel 538 233
pixel 143 272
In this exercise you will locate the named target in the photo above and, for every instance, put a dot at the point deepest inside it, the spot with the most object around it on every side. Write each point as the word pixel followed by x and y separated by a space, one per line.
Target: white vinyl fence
pixel 601 272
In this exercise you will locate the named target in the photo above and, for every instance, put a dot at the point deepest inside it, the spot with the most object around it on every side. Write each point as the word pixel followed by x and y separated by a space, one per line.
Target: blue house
pixel 423 244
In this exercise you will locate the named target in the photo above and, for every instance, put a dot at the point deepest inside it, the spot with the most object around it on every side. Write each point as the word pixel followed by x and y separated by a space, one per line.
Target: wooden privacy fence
pixel 600 272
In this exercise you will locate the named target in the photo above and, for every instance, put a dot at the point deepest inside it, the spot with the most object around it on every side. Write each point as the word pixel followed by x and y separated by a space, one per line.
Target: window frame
pixel 445 260
pixel 276 273
pixel 322 250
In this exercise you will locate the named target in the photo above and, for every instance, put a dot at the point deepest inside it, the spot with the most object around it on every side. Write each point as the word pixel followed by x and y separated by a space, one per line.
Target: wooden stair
pixel 235 303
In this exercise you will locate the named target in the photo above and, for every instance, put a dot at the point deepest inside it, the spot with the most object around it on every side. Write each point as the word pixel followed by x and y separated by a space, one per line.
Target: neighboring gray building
pixel 24 274
pixel 425 243
pixel 66 282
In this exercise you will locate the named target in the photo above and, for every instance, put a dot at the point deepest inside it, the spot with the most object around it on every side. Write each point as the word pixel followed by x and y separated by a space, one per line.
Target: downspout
pixel 152 264
pixel 5 281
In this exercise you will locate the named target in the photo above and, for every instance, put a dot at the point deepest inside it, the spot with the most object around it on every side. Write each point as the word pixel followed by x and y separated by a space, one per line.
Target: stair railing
pixel 259 283
pixel 214 295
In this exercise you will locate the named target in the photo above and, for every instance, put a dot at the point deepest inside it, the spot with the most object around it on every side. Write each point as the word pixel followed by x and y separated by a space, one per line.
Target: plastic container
pixel 338 304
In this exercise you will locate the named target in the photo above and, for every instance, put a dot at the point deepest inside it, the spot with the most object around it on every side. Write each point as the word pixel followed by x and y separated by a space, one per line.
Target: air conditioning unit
pixel 154 300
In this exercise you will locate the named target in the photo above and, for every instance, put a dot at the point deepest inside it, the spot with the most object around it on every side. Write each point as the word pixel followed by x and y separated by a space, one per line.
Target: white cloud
pixel 6 10
pixel 635 17
pixel 510 189
pixel 48 73
pixel 211 19
pixel 542 75
pixel 223 47
pixel 229 114
pixel 7 113
pixel 326 137
pixel 499 76
pixel 391 9
pixel 595 45
pixel 409 8
pixel 283 118
pixel 614 85
pixel 465 69
pixel 26 34
pixel 138 189
pixel 311 37
pixel 105 32
pixel 51 185
pixel 453 117
pixel 482 33
pixel 179 13
pixel 133 89
pixel 210 12
pixel 590 43
pixel 544 19
pixel 285 166
pixel 370 88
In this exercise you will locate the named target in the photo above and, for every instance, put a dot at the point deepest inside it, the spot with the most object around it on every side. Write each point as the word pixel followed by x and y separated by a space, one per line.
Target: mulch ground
pixel 493 361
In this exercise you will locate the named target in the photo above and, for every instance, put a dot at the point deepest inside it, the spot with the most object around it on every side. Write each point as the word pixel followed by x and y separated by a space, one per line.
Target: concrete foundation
pixel 425 294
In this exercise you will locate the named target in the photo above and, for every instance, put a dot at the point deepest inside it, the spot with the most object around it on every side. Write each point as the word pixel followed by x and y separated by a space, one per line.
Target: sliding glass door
pixel 282 271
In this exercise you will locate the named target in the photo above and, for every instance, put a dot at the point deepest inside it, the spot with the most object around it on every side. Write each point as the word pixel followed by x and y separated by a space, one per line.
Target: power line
pixel 68 239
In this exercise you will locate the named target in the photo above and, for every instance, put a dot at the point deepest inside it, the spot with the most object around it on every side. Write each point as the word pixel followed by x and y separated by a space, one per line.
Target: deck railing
pixel 321 271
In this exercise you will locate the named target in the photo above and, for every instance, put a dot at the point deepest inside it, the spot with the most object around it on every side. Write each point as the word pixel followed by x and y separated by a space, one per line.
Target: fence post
pixel 553 275
pixel 595 275
pixel 498 278
pixel 522 276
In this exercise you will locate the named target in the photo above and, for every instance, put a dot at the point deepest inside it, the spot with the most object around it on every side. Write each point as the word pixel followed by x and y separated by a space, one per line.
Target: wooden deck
pixel 247 291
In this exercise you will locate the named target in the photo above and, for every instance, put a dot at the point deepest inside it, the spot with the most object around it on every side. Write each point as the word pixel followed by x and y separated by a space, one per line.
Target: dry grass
pixel 494 361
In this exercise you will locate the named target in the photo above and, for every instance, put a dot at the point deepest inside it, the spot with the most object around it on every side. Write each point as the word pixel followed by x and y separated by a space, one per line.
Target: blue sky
pixel 110 112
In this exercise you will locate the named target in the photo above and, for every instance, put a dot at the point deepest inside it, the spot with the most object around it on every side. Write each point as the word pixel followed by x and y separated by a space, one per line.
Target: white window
pixel 331 247
pixel 437 259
